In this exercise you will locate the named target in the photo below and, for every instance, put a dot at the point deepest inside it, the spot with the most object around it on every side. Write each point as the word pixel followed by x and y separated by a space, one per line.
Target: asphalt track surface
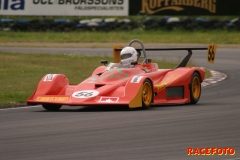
pixel 162 132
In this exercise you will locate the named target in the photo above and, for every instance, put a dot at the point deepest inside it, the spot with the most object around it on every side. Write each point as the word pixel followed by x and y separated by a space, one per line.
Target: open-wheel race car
pixel 125 81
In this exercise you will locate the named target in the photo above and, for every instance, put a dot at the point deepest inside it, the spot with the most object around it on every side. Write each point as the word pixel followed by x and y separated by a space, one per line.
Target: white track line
pixel 20 108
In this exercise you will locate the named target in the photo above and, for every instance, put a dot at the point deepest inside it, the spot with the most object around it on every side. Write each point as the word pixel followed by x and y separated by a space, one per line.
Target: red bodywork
pixel 117 86
pixel 124 86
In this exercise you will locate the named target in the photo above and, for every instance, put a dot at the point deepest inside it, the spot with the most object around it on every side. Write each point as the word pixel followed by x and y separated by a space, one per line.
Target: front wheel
pixel 195 88
pixel 51 107
pixel 147 94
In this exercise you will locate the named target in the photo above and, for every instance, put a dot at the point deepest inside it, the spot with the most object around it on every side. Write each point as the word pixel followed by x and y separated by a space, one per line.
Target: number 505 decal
pixel 85 94
pixel 212 48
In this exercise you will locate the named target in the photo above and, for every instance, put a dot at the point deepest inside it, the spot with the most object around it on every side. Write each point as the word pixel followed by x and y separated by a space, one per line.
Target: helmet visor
pixel 125 56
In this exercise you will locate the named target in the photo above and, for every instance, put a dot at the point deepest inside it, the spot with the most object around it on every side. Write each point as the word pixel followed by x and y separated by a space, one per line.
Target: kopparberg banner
pixel 65 7
pixel 184 7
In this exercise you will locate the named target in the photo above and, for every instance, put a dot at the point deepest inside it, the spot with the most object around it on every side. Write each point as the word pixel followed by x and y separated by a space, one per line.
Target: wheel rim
pixel 196 87
pixel 147 93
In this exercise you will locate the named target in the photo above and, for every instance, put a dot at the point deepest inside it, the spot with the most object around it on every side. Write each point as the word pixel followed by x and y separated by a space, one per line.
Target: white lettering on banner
pixel 65 7
pixel 12 5
pixel 155 6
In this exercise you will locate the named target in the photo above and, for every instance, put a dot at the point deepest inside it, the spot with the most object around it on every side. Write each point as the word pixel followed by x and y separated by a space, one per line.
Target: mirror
pixel 104 62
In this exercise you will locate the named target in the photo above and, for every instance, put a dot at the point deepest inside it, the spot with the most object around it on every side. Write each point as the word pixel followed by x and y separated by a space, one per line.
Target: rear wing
pixel 211 52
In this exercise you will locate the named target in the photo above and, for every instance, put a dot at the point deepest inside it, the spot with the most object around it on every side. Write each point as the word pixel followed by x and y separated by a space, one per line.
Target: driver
pixel 128 55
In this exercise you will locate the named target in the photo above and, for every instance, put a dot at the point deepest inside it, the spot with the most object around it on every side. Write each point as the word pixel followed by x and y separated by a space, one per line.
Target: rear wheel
pixel 51 107
pixel 147 94
pixel 195 88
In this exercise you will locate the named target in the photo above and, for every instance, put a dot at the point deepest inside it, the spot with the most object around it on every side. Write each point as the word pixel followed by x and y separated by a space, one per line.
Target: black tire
pixel 195 88
pixel 147 95
pixel 51 107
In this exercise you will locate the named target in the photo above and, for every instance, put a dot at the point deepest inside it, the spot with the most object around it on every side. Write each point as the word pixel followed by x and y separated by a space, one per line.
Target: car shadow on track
pixel 118 108
pixel 98 109
pixel 173 106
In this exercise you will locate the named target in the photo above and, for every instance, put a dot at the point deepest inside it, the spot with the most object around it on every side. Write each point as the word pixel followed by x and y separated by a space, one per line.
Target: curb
pixel 216 77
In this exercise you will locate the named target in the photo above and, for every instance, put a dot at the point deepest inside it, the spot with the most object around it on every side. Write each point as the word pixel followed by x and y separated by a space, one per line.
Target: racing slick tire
pixel 51 107
pixel 147 94
pixel 195 88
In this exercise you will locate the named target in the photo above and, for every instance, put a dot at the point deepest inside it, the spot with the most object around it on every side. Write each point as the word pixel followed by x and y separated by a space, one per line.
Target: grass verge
pixel 151 36
pixel 21 73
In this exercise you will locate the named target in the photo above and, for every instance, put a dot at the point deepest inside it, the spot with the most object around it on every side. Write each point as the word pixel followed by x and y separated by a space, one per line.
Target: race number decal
pixel 85 94
pixel 136 79
pixel 212 48
pixel 49 77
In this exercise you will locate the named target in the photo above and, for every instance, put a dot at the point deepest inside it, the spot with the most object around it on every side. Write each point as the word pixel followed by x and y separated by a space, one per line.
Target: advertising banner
pixel 184 7
pixel 65 7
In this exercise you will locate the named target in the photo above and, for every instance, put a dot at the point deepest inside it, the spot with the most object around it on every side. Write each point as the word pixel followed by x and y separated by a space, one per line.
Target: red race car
pixel 126 82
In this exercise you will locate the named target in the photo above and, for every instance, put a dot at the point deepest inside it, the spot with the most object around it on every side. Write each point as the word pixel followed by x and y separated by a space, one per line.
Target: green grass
pixel 21 73
pixel 151 36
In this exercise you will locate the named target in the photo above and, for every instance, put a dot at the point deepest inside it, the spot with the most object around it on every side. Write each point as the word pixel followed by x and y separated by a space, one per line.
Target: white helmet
pixel 128 55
